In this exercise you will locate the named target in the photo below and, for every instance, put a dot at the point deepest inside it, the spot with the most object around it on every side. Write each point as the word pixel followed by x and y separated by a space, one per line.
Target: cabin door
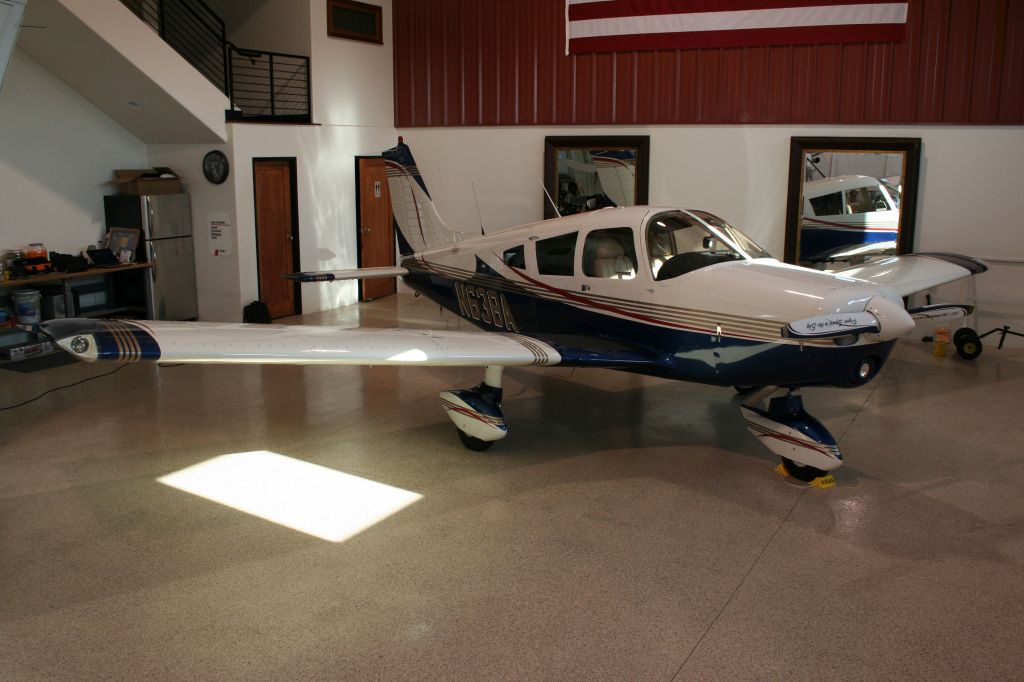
pixel 607 266
pixel 277 234
pixel 376 236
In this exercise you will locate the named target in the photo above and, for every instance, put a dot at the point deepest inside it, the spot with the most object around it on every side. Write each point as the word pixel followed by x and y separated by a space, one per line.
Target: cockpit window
pixel 745 244
pixel 678 243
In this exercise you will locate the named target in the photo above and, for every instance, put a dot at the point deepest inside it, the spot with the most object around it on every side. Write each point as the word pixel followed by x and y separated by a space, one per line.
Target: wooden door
pixel 376 235
pixel 277 238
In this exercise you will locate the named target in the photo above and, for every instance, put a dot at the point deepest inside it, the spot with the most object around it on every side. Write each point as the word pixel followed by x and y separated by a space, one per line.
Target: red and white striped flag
pixel 627 25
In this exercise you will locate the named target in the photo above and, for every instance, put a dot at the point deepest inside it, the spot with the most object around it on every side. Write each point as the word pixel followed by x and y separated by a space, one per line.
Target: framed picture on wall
pixel 355 21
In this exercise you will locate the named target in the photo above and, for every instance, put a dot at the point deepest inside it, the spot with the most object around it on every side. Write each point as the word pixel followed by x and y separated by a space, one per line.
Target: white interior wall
pixel 57 154
pixel 271 26
pixel 353 81
pixel 325 168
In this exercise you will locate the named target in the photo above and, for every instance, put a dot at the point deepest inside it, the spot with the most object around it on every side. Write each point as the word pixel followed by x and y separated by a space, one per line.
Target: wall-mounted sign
pixel 221 237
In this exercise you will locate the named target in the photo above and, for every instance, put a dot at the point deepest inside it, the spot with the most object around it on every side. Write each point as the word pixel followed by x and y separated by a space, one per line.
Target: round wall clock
pixel 215 166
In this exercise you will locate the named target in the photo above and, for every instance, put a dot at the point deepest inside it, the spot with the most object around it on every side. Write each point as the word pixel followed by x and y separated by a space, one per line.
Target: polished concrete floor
pixel 627 529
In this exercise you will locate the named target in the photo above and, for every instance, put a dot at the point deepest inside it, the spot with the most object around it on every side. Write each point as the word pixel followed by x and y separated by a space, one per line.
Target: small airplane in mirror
pixel 666 292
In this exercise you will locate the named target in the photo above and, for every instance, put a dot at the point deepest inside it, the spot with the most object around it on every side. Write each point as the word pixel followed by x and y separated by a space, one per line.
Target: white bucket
pixel 26 305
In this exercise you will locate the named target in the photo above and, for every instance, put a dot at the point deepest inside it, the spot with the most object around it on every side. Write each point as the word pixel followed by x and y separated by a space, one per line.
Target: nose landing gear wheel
pixel 473 443
pixel 801 472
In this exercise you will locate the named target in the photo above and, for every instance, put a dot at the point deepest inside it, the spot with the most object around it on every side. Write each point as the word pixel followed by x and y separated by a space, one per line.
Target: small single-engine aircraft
pixel 667 292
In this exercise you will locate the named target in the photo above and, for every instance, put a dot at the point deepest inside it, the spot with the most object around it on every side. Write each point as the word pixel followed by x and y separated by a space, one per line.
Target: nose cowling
pixel 893 320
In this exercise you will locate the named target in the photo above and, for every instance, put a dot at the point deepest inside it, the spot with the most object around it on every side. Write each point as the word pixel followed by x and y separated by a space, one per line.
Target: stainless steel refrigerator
pixel 165 242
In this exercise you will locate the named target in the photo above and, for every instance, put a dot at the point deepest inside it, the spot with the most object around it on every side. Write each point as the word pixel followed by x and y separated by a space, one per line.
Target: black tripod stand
pixel 1002 331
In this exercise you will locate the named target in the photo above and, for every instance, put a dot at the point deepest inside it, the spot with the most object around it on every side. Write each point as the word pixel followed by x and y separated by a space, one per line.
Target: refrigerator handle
pixel 152 260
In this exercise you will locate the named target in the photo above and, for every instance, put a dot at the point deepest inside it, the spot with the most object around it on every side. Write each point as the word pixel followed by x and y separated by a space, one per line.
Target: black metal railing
pixel 268 86
pixel 263 86
pixel 192 29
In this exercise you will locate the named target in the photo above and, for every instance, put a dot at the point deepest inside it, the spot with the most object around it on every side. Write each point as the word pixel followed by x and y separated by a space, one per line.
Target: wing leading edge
pixel 226 343
pixel 212 343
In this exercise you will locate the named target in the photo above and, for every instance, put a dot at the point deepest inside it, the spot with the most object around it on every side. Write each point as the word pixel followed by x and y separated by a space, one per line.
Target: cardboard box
pixel 157 180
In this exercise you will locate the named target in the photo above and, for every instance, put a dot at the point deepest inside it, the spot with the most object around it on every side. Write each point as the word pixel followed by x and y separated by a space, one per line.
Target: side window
pixel 555 256
pixel 515 257
pixel 829 204
pixel 865 200
pixel 610 254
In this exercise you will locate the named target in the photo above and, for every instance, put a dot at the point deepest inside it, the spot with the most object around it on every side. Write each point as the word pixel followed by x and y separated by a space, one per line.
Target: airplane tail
pixel 418 225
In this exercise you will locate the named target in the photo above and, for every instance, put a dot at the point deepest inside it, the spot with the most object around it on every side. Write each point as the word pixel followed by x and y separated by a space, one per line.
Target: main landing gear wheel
pixel 473 443
pixel 801 472
pixel 968 344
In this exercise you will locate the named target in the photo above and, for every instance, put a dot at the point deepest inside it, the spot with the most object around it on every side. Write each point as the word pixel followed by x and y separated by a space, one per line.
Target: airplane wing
pixel 215 343
pixel 916 272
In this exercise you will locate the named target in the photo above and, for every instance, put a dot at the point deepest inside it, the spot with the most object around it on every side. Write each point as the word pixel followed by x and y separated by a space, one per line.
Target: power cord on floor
pixel 58 388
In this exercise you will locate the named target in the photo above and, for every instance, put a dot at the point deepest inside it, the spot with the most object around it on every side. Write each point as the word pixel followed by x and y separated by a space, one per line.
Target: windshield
pixel 742 242
pixel 679 242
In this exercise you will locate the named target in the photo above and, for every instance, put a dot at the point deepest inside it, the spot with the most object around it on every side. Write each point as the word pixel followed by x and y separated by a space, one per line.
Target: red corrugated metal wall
pixel 496 62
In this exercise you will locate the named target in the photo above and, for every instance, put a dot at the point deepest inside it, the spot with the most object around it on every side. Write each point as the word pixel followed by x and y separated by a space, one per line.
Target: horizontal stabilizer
pixel 339 275
pixel 915 272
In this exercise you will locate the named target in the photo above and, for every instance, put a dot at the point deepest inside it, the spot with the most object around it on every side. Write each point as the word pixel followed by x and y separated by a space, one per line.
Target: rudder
pixel 418 225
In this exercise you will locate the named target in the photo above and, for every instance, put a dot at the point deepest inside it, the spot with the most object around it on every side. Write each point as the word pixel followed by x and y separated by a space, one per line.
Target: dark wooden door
pixel 376 235
pixel 277 236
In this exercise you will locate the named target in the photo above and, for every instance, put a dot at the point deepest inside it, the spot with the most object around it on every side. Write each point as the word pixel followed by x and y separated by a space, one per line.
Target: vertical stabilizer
pixel 419 227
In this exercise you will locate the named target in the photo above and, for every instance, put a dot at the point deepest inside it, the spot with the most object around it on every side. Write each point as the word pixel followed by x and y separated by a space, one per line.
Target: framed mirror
pixel 584 173
pixel 851 199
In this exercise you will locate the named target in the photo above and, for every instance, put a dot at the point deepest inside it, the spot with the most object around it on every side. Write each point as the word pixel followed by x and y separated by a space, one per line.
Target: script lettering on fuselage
pixel 485 305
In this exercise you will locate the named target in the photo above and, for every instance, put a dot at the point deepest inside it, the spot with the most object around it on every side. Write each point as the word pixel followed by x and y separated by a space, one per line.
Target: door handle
pixel 152 261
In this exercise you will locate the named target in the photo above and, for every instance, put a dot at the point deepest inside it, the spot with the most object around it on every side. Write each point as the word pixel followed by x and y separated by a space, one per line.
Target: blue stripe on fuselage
pixel 660 351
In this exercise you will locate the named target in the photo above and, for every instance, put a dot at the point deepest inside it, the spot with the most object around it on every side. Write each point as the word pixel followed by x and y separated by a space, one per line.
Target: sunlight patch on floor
pixel 306 497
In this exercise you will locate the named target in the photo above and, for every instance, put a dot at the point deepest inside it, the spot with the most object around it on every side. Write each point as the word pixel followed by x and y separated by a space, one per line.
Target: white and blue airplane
pixel 662 291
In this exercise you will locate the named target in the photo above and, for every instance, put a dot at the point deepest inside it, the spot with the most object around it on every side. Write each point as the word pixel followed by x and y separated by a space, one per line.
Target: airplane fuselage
pixel 717 324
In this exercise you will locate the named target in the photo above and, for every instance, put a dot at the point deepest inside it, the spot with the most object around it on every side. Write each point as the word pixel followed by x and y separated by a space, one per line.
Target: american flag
pixel 627 25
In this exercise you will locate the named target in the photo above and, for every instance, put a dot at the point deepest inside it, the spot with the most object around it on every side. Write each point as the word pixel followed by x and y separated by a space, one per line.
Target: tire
pixel 960 334
pixel 801 472
pixel 473 443
pixel 968 345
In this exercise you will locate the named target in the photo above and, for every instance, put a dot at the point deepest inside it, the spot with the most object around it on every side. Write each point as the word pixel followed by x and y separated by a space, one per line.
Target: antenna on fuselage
pixel 478 216
pixel 548 195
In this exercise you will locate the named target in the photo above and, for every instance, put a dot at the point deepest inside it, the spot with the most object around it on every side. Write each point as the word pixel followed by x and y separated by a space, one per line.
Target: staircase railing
pixel 268 86
pixel 263 86
pixel 192 29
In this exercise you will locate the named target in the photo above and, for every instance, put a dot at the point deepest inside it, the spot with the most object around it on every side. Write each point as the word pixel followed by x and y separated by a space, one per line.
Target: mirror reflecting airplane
pixel 661 291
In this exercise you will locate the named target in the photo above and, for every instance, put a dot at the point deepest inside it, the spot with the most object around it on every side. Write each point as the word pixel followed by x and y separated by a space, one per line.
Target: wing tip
pixel 972 265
